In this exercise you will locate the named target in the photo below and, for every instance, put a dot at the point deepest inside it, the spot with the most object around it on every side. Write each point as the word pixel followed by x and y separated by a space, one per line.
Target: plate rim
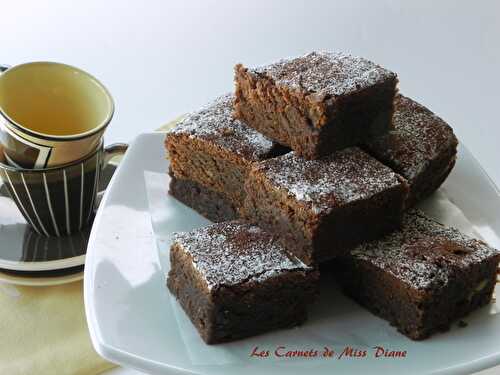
pixel 132 360
pixel 110 352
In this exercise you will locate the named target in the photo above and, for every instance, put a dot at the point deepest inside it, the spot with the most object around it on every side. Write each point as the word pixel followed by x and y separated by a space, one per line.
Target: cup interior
pixel 54 99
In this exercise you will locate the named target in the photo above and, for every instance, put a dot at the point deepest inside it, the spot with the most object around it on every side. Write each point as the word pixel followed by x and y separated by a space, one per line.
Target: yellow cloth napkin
pixel 43 331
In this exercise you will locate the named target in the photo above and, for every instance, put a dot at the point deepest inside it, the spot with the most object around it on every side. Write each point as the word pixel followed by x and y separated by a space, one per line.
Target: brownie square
pixel 234 280
pixel 212 149
pixel 318 103
pixel 208 203
pixel 321 208
pixel 420 278
pixel 422 148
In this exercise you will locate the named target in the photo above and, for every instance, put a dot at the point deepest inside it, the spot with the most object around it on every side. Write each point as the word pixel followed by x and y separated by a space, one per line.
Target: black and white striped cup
pixel 59 201
pixel 51 114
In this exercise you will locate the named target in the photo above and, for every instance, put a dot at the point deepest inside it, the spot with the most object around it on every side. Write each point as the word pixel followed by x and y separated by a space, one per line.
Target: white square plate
pixel 133 322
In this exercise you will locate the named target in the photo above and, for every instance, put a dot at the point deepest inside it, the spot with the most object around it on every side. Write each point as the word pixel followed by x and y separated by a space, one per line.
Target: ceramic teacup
pixel 51 114
pixel 59 201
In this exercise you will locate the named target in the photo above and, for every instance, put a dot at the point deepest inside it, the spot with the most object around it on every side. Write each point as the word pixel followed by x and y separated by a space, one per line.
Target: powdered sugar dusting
pixel 343 177
pixel 326 73
pixel 424 253
pixel 419 136
pixel 215 123
pixel 233 252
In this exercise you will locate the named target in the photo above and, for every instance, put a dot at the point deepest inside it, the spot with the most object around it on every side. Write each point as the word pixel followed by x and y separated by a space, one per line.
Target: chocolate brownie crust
pixel 317 103
pixel 234 280
pixel 413 314
pixel 420 278
pixel 212 149
pixel 321 208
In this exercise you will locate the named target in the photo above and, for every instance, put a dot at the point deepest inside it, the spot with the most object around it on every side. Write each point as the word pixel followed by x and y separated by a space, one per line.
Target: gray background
pixel 162 58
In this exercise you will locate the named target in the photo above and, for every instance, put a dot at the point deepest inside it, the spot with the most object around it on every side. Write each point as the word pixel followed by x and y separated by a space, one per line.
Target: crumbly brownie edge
pixel 266 207
pixel 204 163
pixel 191 292
pixel 253 308
pixel 279 114
pixel 210 204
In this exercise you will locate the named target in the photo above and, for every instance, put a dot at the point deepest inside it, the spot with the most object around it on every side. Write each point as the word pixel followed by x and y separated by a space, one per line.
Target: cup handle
pixel 110 152
pixel 113 150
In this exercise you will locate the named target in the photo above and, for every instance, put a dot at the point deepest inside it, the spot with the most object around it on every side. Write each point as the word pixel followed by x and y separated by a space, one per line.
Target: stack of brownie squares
pixel 318 161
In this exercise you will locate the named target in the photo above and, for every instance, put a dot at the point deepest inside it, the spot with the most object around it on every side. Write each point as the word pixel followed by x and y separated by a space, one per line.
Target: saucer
pixel 22 249
pixel 42 278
